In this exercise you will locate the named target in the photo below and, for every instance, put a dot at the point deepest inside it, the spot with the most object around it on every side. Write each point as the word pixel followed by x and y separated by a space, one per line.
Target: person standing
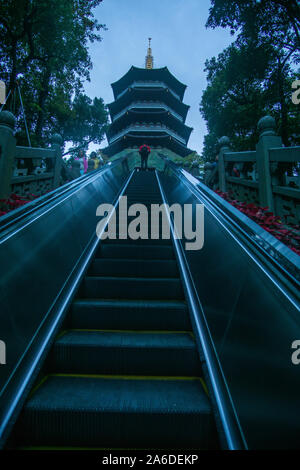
pixel 98 161
pixel 144 152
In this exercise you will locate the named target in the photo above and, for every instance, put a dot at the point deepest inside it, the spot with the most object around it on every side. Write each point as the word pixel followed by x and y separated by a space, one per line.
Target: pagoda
pixel 148 108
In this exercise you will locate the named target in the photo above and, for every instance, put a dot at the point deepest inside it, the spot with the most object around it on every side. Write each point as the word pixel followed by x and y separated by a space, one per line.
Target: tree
pixel 276 22
pixel 242 87
pixel 87 121
pixel 254 75
pixel 47 42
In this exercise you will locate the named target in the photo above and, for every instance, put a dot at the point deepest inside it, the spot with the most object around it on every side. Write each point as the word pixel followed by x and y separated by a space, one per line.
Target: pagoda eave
pixel 147 132
pixel 147 136
pixel 136 73
pixel 158 95
pixel 132 141
pixel 164 117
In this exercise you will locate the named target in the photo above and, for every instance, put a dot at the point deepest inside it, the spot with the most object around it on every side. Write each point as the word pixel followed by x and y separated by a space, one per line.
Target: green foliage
pixel 86 122
pixel 193 159
pixel 253 76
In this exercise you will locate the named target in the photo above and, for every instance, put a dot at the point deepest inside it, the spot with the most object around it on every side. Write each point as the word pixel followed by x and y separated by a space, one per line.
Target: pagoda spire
pixel 149 56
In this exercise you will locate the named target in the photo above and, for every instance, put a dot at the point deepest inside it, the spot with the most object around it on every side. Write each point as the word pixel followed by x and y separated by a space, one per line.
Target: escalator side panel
pixel 253 324
pixel 36 260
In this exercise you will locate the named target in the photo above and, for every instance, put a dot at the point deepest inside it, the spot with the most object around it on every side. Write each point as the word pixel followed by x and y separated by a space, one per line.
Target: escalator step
pixel 141 242
pixel 131 288
pixel 133 268
pixel 125 353
pixel 135 251
pixel 129 314
pixel 156 234
pixel 147 201
pixel 118 412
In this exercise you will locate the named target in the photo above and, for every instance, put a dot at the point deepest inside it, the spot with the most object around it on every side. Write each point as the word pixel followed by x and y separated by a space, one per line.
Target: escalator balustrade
pixel 124 370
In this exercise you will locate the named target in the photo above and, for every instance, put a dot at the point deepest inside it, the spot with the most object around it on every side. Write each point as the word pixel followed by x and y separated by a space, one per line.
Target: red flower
pixel 268 221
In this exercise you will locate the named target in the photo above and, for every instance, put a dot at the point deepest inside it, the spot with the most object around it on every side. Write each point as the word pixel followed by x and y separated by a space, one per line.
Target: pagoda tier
pixel 155 141
pixel 149 95
pixel 153 76
pixel 157 129
pixel 149 116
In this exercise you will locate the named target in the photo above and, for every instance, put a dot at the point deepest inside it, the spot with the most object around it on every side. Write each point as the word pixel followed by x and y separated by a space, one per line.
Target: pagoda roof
pixel 142 74
pixel 148 116
pixel 137 129
pixel 134 142
pixel 153 94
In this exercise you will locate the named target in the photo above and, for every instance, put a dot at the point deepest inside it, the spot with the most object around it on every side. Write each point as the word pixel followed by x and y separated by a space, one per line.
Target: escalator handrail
pixel 234 437
pixel 46 332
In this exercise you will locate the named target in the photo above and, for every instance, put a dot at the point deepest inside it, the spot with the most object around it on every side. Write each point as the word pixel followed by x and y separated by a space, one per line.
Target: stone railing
pixel 27 170
pixel 268 176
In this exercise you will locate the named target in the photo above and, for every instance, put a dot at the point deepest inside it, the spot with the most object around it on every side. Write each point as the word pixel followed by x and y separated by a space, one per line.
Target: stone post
pixel 224 143
pixel 7 152
pixel 195 169
pixel 207 172
pixel 75 169
pixel 267 139
pixel 56 143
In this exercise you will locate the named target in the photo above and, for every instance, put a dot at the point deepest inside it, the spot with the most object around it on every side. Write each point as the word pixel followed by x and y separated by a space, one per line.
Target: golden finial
pixel 149 57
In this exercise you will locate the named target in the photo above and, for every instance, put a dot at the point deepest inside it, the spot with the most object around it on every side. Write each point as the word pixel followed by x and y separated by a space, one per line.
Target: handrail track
pixel 232 433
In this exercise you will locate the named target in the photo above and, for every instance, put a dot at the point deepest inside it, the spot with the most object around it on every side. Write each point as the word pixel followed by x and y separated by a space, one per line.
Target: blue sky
pixel 180 41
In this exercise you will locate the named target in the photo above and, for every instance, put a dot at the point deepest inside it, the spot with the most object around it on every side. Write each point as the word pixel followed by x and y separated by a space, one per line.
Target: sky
pixel 180 41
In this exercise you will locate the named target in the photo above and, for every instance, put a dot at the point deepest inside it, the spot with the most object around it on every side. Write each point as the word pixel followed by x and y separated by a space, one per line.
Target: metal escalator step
pixel 133 268
pixel 125 353
pixel 142 199
pixel 165 242
pixel 131 288
pixel 135 251
pixel 112 412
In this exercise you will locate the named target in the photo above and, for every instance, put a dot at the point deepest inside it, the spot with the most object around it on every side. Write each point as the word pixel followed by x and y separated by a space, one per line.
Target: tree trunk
pixel 41 102
pixel 12 76
pixel 283 108
pixel 282 166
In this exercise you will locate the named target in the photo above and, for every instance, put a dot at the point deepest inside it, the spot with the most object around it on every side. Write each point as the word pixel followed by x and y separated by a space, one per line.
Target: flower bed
pixel 287 234
pixel 14 201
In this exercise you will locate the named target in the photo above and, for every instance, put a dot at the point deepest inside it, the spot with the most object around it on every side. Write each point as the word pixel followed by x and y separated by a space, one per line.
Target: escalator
pixel 140 343
pixel 124 371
